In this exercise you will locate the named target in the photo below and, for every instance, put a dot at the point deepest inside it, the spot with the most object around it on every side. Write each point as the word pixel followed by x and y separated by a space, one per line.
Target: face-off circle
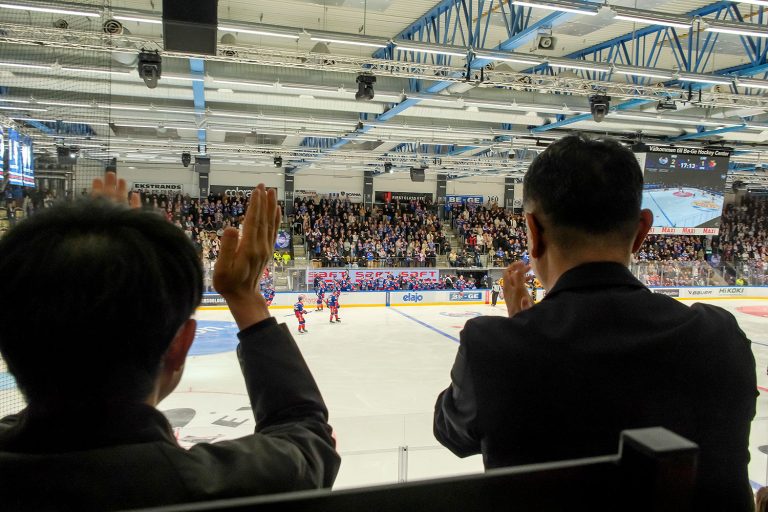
pixel 761 311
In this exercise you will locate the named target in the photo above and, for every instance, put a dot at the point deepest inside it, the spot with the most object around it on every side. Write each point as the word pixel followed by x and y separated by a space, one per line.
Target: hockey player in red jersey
pixel 333 305
pixel 298 310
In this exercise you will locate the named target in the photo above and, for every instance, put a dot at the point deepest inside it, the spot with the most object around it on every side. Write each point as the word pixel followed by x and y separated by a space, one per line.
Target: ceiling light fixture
pixel 138 19
pixel 242 82
pixel 350 39
pixel 740 29
pixel 416 46
pixel 704 79
pixel 89 14
pixel 185 78
pixel 63 104
pixel 562 6
pixel 25 109
pixel 508 57
pixel 751 82
pixel 650 18
pixel 96 70
pixel 645 73
pixel 267 31
pixel 25 66
pixel 581 65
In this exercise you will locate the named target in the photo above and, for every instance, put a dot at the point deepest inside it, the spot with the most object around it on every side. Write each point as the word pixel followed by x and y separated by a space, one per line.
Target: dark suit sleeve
pixel 286 402
pixel 455 424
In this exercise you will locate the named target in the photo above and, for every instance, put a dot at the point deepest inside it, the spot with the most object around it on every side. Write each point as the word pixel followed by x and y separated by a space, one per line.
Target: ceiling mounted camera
pixel 599 105
pixel 365 87
pixel 150 68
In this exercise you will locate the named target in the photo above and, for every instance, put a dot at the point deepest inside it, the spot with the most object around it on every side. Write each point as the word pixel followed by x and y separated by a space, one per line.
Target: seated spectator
pixel 98 354
pixel 626 357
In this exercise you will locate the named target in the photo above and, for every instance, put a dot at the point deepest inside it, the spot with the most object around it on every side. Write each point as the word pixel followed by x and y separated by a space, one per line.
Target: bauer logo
pixel 413 297
pixel 465 296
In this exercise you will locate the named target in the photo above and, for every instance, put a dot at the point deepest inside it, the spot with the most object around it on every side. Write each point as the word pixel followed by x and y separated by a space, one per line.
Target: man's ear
pixel 176 354
pixel 536 244
pixel 643 226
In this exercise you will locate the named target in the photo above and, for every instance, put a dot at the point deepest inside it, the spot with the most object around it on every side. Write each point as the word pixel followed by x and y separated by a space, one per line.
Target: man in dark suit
pixel 97 335
pixel 601 353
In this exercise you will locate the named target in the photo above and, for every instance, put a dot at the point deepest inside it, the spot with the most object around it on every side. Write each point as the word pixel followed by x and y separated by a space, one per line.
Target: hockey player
pixel 269 295
pixel 333 306
pixel 320 296
pixel 298 310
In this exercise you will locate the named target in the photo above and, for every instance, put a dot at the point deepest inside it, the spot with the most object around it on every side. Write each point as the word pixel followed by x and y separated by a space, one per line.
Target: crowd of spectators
pixel 390 282
pixel 743 238
pixel 672 248
pixel 397 234
pixel 488 230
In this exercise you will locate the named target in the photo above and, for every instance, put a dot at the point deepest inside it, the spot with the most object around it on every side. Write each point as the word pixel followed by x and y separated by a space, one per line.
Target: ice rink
pixel 380 372
pixel 689 208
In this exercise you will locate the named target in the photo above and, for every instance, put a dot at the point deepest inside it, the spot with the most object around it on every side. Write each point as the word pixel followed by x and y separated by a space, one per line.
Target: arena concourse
pixel 396 135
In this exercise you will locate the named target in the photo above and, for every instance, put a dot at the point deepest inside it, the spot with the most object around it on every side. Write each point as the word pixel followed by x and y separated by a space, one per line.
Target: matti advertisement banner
pixel 683 231
pixel 358 274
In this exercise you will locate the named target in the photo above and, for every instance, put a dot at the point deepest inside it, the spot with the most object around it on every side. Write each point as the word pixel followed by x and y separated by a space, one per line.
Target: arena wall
pixel 407 298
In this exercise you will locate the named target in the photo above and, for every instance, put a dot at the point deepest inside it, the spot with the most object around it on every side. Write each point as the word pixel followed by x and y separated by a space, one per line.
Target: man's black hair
pixel 591 186
pixel 93 293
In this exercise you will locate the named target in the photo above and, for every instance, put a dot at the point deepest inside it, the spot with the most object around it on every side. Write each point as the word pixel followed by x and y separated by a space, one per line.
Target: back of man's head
pixel 589 187
pixel 93 293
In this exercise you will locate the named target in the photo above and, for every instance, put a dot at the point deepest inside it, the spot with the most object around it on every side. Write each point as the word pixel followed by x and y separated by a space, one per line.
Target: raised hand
pixel 516 294
pixel 115 190
pixel 241 261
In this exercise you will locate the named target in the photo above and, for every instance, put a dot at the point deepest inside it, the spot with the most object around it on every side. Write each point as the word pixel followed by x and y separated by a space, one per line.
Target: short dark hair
pixel 593 186
pixel 93 294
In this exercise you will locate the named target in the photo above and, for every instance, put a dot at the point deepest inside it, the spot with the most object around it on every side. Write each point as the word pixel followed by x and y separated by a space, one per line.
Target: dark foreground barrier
pixel 654 471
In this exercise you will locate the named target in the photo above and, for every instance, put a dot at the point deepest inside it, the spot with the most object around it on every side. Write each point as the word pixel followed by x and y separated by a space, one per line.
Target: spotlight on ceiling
pixel 186 159
pixel 150 68
pixel 666 104
pixel 388 168
pixel 67 155
pixel 278 161
pixel 599 105
pixel 365 87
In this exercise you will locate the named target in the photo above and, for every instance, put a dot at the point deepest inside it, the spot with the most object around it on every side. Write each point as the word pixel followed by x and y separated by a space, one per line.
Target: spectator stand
pixel 339 233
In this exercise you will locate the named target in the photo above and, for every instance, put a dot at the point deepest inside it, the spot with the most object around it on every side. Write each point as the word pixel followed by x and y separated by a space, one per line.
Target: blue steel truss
pixel 644 48
pixel 462 23
pixel 465 23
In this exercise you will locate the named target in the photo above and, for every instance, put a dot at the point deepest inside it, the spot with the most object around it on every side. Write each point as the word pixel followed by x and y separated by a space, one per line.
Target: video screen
pixel 14 158
pixel 27 162
pixel 685 189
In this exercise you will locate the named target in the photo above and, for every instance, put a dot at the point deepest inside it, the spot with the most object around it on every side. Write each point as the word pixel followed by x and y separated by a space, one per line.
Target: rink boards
pixel 400 298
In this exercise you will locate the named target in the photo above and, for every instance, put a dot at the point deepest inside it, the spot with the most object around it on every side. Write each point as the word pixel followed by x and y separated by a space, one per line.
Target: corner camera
pixel 278 161
pixel 599 105
pixel 365 87
pixel 150 68
pixel 186 159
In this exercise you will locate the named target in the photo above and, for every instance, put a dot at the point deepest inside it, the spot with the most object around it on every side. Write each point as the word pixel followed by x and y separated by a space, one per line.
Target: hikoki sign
pixel 358 275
